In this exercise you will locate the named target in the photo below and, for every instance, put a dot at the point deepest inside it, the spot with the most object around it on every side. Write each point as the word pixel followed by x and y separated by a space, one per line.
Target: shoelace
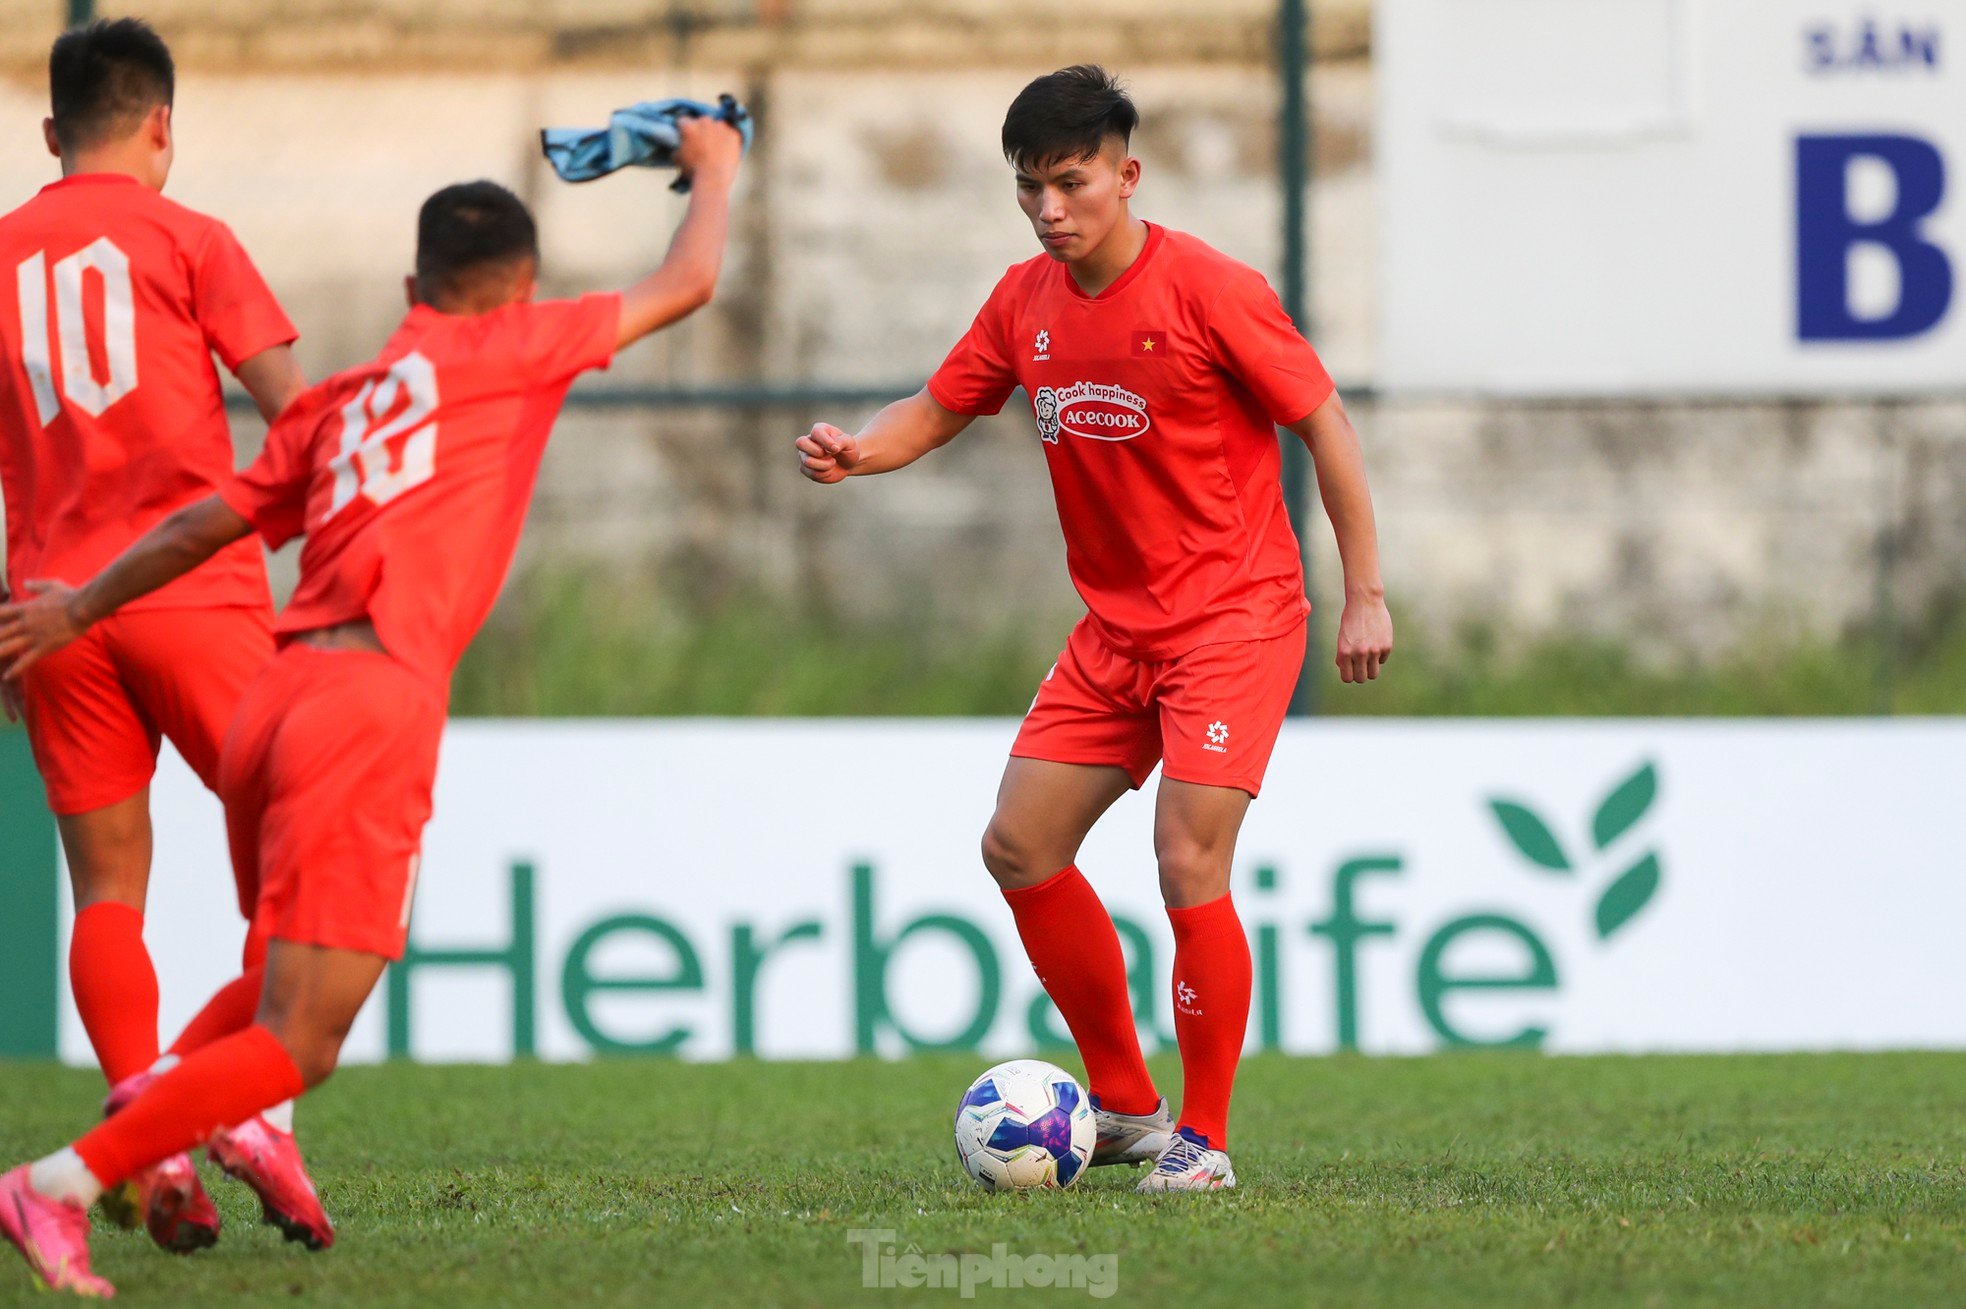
pixel 1184 1156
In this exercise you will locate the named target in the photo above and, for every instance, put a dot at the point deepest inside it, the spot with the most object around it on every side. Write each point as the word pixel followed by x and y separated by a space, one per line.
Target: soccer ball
pixel 1025 1124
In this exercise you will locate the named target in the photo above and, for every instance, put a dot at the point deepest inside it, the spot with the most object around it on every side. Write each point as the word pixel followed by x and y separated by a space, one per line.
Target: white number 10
pixel 119 330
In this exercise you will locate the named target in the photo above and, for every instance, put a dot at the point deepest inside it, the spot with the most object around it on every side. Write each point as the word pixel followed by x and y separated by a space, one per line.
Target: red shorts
pixel 326 780
pixel 1212 713
pixel 97 709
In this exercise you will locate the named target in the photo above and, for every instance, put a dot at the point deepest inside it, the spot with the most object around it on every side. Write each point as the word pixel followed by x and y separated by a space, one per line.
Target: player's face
pixel 1074 204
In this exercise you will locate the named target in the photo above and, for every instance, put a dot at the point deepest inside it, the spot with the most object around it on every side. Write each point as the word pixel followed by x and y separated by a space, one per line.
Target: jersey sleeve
pixel 560 339
pixel 977 376
pixel 233 304
pixel 1256 343
pixel 271 493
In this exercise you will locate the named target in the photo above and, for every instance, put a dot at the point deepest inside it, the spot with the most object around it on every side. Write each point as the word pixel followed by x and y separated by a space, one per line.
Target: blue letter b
pixel 1825 233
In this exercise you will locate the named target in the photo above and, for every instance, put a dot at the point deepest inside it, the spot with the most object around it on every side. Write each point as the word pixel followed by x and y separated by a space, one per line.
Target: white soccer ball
pixel 1025 1124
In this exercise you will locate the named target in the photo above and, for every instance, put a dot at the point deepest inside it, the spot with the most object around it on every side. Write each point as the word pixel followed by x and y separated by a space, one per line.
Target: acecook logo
pixel 1091 410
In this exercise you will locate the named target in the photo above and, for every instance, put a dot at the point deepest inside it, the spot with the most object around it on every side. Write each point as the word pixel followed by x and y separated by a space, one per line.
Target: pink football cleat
pixel 177 1212
pixel 167 1197
pixel 52 1235
pixel 267 1159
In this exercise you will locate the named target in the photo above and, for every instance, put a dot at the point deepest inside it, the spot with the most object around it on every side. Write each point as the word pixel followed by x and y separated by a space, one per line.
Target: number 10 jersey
pixel 114 300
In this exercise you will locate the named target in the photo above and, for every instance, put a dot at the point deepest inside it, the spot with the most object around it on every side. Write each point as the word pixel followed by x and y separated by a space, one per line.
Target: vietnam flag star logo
pixel 1149 344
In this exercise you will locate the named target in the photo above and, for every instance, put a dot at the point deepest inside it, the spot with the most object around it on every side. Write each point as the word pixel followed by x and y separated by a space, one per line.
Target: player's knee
pixel 1010 860
pixel 1191 873
pixel 108 855
pixel 999 853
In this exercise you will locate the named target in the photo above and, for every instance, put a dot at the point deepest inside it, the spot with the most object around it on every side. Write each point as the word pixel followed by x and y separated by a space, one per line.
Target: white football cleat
pixel 1189 1164
pixel 1131 1138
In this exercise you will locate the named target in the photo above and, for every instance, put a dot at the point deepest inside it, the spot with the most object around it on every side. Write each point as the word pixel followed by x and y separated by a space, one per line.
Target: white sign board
pixel 814 890
pixel 1702 196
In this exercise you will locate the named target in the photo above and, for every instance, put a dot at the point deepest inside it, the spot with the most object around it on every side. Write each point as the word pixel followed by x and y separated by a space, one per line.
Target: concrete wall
pixel 873 219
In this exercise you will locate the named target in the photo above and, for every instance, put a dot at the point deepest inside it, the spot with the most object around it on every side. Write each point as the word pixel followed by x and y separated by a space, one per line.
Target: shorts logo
pixel 1094 411
pixel 1218 737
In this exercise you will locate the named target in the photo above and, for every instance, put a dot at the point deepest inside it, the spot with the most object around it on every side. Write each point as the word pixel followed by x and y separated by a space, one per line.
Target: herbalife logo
pixel 1449 990
pixel 1637 878
pixel 1456 942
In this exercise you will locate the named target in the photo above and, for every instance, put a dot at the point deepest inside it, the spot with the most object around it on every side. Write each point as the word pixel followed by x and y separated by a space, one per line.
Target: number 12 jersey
pixel 410 475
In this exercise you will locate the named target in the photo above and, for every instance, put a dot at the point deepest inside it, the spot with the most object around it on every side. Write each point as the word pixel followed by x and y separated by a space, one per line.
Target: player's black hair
pixel 469 228
pixel 104 77
pixel 1067 115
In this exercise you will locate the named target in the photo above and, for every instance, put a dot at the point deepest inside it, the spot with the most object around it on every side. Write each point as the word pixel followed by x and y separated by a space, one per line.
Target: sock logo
pixel 1185 997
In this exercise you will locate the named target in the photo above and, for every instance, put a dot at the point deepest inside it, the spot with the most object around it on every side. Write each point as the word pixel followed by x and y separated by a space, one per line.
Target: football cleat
pixel 267 1159
pixel 177 1213
pixel 52 1235
pixel 1189 1164
pixel 1131 1138
pixel 166 1198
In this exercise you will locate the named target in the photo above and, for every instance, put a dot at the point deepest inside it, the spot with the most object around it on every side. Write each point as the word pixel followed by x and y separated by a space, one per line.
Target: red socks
pixel 115 987
pixel 1211 1011
pixel 227 1082
pixel 1070 938
pixel 231 1009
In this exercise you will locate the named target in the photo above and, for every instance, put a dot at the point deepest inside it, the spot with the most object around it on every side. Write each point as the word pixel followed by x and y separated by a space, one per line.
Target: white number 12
pixel 363 463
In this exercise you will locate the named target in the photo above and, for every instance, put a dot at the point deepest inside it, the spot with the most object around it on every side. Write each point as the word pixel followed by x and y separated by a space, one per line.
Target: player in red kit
pixel 1158 370
pixel 110 419
pixel 409 477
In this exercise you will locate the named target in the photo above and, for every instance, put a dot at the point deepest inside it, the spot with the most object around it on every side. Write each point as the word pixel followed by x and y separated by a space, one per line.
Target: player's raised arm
pixel 55 613
pixel 896 437
pixel 708 157
pixel 1365 630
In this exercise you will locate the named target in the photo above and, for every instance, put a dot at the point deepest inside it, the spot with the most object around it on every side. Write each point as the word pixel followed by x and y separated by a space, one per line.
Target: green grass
pixel 1483 1179
pixel 568 646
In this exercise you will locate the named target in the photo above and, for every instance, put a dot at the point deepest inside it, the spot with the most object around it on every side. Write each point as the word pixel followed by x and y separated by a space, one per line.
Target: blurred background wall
pixel 874 217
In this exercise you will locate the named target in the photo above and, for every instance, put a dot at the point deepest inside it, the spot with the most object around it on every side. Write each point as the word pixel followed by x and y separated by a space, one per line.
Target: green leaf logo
pixel 1625 805
pixel 1531 835
pixel 1626 896
pixel 1620 811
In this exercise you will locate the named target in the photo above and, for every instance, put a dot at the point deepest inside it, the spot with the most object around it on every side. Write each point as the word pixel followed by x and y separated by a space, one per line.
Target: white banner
pixel 814 889
pixel 1606 196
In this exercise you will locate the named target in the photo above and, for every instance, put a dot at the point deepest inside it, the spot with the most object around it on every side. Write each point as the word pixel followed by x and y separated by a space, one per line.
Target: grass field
pixel 1503 1180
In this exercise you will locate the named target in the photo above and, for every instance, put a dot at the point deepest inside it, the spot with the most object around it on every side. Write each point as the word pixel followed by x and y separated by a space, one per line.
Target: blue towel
pixel 640 136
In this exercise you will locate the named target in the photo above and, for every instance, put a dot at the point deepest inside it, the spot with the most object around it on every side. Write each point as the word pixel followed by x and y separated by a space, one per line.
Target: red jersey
pixel 1157 401
pixel 411 475
pixel 111 416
